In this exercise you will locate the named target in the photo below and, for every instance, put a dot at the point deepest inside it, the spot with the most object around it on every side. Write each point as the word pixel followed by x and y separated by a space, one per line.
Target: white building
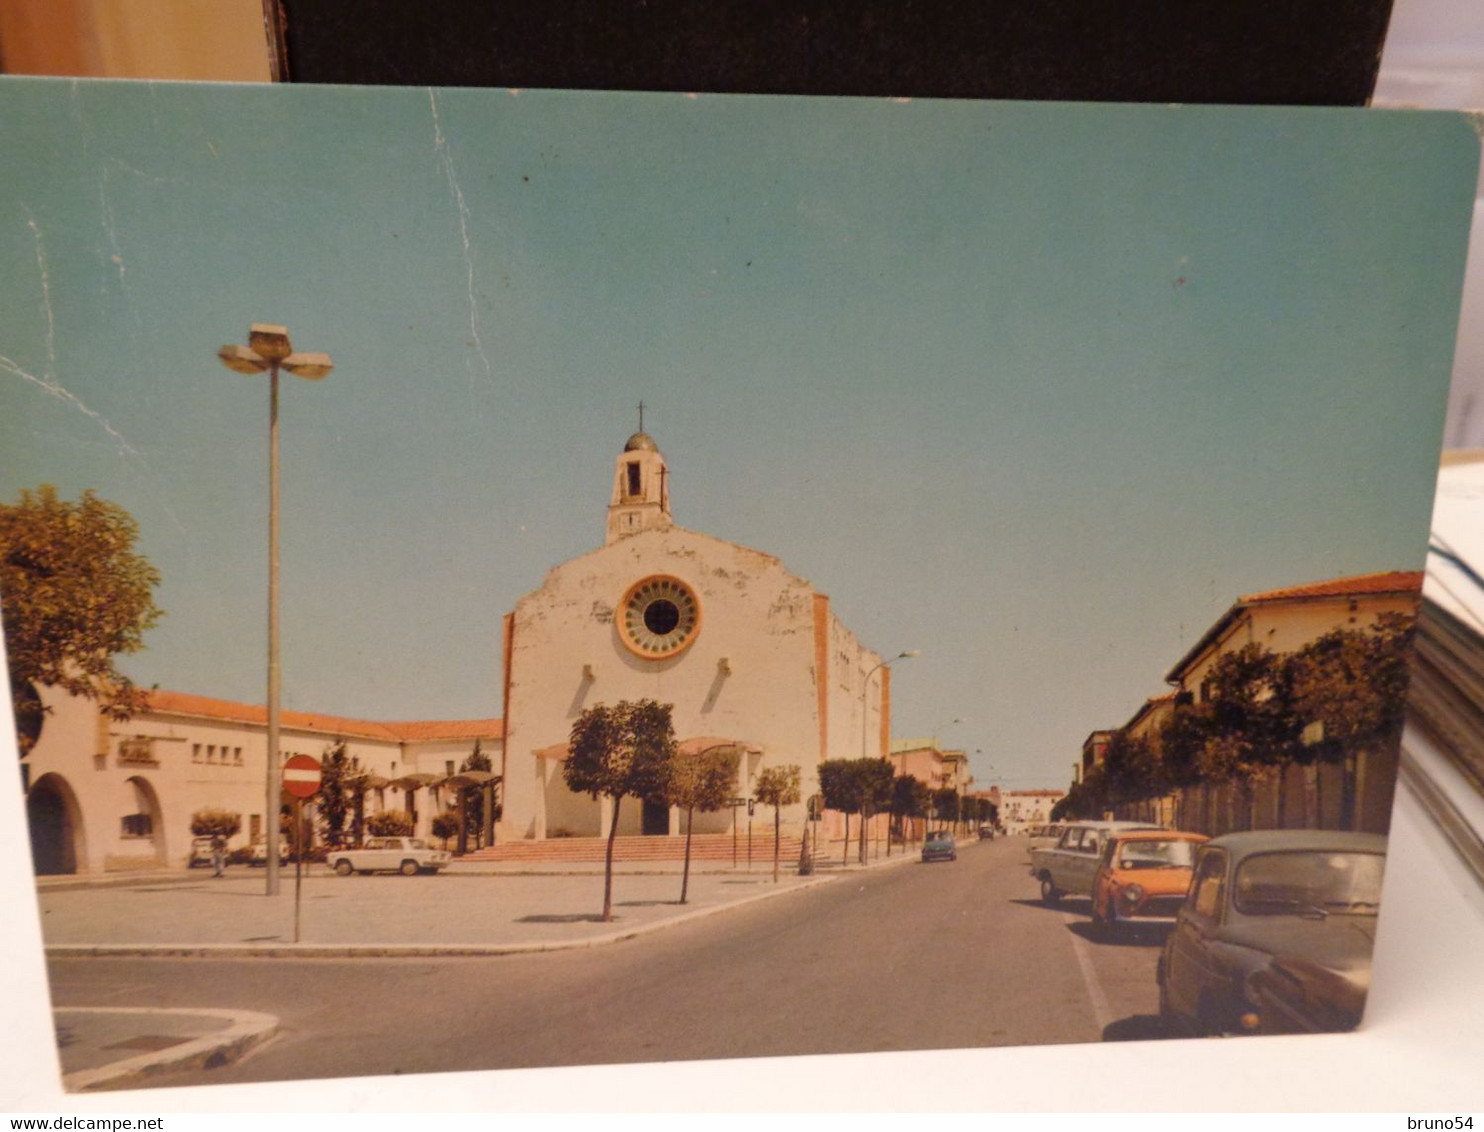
pixel 750 656
pixel 106 796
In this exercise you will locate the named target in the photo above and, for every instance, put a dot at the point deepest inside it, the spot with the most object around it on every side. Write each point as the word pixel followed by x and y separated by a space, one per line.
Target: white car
pixel 1069 866
pixel 406 855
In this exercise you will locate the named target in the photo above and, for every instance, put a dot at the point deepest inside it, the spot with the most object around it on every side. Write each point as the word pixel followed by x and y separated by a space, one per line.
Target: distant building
pixel 1021 810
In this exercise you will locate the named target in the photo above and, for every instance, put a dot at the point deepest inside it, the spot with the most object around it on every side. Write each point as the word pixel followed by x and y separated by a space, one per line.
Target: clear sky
pixel 1035 390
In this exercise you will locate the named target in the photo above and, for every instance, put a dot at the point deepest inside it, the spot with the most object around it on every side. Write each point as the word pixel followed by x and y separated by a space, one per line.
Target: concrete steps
pixel 704 847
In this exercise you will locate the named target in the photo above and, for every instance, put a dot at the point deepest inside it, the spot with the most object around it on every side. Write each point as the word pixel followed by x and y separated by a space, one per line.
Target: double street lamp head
pixel 269 348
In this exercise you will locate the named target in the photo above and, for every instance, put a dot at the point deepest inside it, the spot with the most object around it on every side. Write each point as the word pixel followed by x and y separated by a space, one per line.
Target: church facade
pixel 751 658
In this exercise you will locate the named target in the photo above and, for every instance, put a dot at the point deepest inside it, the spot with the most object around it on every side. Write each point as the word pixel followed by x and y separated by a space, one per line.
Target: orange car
pixel 1142 877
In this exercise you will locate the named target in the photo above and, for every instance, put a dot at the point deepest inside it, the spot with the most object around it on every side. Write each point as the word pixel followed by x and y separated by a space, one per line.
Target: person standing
pixel 218 855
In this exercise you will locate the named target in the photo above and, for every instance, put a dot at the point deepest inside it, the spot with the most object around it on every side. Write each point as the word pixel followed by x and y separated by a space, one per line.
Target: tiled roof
pixel 184 703
pixel 1386 582
pixel 415 730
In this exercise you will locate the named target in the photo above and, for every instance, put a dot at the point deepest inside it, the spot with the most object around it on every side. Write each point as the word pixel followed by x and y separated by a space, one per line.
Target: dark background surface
pixel 1281 52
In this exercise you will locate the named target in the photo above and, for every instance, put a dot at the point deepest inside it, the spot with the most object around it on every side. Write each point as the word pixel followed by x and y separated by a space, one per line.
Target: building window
pixel 195 752
pixel 237 755
pixel 137 825
pixel 448 768
pixel 633 470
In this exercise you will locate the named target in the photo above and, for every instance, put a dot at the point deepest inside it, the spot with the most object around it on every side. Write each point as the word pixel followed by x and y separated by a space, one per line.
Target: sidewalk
pixel 469 910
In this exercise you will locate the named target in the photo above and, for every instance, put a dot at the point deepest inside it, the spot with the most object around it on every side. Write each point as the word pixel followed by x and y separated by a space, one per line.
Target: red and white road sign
pixel 301 776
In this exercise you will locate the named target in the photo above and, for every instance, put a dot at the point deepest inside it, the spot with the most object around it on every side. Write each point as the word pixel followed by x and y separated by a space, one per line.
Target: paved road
pixel 917 957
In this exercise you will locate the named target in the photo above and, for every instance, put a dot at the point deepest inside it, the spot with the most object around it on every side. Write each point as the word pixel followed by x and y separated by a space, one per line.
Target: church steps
pixel 704 847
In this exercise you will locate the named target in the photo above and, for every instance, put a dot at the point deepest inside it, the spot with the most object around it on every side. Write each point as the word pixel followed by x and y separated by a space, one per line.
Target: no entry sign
pixel 301 776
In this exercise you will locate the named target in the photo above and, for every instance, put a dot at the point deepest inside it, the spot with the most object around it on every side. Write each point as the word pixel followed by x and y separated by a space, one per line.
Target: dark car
pixel 1275 935
pixel 940 846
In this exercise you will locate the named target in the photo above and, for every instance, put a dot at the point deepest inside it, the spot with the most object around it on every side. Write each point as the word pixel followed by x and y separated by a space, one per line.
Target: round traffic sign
pixel 301 776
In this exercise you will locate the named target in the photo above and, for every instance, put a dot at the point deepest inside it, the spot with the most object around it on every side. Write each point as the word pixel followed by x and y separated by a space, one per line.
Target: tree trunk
pixel 690 816
pixel 608 863
pixel 845 854
pixel 865 821
pixel 776 846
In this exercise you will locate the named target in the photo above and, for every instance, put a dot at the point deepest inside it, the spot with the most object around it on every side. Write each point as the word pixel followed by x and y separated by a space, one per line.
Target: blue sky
pixel 1036 390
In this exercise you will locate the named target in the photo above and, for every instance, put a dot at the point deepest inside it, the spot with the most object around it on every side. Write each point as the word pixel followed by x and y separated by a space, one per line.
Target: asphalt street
pixel 947 955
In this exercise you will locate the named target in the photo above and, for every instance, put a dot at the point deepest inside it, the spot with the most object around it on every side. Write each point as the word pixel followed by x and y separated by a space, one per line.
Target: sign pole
pixel 298 859
pixel 301 779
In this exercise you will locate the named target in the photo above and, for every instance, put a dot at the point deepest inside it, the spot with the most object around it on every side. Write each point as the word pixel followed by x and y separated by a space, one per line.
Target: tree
pixel 215 823
pixel 910 798
pixel 705 782
pixel 861 786
pixel 945 804
pixel 840 788
pixel 876 777
pixel 777 786
pixel 472 798
pixel 390 823
pixel 333 803
pixel 76 596
pixel 445 825
pixel 626 749
pixel 1353 685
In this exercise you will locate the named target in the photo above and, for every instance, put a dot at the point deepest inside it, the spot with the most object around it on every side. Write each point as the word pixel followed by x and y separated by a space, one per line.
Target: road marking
pixel 1101 1012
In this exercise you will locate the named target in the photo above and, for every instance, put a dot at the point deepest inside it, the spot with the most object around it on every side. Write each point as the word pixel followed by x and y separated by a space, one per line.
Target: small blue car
pixel 940 846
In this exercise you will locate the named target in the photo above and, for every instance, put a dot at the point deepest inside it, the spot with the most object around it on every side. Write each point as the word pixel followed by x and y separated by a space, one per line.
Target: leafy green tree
pixel 334 801
pixel 777 786
pixel 626 749
pixel 946 804
pixel 840 788
pixel 1353 686
pixel 910 798
pixel 855 786
pixel 390 823
pixel 215 823
pixel 705 782
pixel 446 825
pixel 76 596
pixel 474 798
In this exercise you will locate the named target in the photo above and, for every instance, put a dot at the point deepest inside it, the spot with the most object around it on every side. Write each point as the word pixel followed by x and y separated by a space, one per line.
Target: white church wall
pixel 747 675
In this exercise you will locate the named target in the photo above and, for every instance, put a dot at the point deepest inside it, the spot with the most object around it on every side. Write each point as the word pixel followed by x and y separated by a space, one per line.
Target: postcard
pixel 518 579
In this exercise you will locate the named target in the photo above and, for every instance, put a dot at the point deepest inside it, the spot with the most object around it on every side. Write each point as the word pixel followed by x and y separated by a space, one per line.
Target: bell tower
pixel 641 488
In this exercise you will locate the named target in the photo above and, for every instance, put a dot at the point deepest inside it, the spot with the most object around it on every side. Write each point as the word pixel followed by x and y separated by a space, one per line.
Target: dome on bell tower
pixel 641 442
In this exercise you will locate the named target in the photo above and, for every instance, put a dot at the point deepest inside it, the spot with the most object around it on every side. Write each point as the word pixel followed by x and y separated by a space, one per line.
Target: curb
pixel 392 950
pixel 245 1031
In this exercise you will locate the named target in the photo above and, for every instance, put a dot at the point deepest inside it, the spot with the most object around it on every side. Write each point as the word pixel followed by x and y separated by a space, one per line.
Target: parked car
pixel 406 855
pixel 986 832
pixel 258 855
pixel 200 852
pixel 1275 935
pixel 1069 866
pixel 1142 878
pixel 940 846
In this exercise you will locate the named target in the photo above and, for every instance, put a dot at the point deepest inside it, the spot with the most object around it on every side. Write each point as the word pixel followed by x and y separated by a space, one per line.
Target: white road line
pixel 1101 1012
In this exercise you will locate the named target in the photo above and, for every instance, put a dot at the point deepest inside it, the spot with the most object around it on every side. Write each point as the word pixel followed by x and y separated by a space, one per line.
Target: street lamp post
pixel 909 654
pixel 268 350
